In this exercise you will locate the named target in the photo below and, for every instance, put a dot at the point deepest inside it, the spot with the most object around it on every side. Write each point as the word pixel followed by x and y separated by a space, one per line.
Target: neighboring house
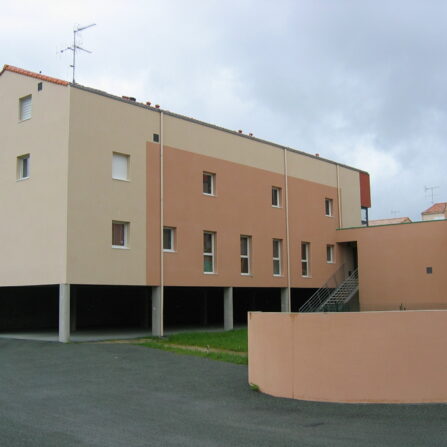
pixel 119 213
pixel 437 211
pixel 392 221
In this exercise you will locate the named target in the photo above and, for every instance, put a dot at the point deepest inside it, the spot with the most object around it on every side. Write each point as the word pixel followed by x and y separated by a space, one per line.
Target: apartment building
pixel 116 212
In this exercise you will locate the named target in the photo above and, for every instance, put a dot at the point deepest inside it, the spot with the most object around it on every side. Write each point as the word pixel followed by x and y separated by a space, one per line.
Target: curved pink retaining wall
pixel 388 357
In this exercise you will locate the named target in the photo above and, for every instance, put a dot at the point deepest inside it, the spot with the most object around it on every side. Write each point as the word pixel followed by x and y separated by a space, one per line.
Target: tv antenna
pixel 75 47
pixel 431 189
pixel 394 212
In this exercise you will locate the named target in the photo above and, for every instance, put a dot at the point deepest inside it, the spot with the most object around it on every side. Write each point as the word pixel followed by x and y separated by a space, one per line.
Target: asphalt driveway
pixel 122 395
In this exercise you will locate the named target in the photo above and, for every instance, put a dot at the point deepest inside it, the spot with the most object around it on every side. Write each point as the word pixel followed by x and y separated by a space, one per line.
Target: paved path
pixel 129 396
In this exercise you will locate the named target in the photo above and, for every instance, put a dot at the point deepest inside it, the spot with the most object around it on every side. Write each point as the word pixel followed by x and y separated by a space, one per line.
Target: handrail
pixel 323 293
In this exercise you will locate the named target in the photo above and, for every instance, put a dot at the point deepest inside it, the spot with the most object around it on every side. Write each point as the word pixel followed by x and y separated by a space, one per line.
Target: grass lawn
pixel 227 346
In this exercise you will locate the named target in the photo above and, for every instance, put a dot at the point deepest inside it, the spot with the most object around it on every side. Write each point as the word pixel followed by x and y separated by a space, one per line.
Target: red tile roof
pixel 437 208
pixel 394 220
pixel 33 75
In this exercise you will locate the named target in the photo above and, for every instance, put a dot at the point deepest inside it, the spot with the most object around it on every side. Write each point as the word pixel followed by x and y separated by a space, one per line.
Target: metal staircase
pixel 334 295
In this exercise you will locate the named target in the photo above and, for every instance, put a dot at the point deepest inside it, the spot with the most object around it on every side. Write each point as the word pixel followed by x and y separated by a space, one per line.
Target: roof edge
pixel 212 126
pixel 31 74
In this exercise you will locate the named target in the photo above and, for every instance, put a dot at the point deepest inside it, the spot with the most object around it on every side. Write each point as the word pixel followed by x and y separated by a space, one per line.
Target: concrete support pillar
pixel 64 313
pixel 285 299
pixel 157 312
pixel 73 308
pixel 228 308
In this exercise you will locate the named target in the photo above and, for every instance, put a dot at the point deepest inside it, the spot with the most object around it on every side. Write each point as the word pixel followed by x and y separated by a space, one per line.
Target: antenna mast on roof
pixel 75 47
pixel 431 189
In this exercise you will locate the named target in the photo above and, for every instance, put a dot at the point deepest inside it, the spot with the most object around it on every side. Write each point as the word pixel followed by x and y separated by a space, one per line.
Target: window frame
pixel 212 176
pixel 171 239
pixel 20 166
pixel 211 254
pixel 277 259
pixel 330 254
pixel 125 244
pixel 22 101
pixel 305 260
pixel 246 256
pixel 277 196
pixel 127 157
pixel 328 207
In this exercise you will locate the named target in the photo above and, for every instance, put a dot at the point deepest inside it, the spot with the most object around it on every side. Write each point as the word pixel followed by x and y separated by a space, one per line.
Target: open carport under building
pixel 106 309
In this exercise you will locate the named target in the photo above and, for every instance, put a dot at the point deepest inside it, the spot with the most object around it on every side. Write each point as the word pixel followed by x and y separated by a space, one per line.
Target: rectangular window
pixel 330 254
pixel 305 259
pixel 245 255
pixel 25 108
pixel 168 239
pixel 23 167
pixel 328 207
pixel 209 184
pixel 277 257
pixel 120 234
pixel 276 197
pixel 209 251
pixel 120 166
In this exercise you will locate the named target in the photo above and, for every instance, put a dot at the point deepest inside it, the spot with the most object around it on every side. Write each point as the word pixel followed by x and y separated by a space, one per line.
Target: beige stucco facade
pixel 34 210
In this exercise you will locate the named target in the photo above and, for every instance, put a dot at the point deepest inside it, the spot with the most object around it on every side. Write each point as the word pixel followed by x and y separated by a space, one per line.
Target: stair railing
pixel 324 292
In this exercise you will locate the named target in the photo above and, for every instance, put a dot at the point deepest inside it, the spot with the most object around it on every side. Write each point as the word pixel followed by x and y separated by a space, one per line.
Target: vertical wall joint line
pixel 286 187
pixel 340 221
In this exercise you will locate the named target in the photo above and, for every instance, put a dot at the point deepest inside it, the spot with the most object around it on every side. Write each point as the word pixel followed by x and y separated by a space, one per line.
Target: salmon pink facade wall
pixel 242 205
pixel 393 262
pixel 386 357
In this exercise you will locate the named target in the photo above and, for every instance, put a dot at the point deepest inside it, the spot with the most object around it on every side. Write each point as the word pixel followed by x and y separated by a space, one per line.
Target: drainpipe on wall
pixel 286 185
pixel 161 224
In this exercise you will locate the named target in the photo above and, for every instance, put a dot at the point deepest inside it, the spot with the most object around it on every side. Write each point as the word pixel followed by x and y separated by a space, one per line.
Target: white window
pixel 276 197
pixel 209 184
pixel 277 257
pixel 120 166
pixel 245 255
pixel 23 167
pixel 330 254
pixel 305 259
pixel 168 239
pixel 25 108
pixel 328 207
pixel 209 251
pixel 120 234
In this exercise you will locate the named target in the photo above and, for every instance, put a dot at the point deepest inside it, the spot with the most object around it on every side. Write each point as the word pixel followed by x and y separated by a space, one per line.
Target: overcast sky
pixel 360 82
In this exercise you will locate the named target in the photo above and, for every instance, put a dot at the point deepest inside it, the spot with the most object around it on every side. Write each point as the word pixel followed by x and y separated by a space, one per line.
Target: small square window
pixel 39 86
pixel 328 207
pixel 25 108
pixel 209 184
pixel 120 234
pixel 276 197
pixel 156 138
pixel 429 270
pixel 23 167
pixel 330 258
pixel 120 166
pixel 168 239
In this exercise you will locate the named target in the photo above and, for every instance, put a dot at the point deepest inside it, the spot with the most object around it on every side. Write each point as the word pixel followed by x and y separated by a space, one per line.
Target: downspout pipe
pixel 161 223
